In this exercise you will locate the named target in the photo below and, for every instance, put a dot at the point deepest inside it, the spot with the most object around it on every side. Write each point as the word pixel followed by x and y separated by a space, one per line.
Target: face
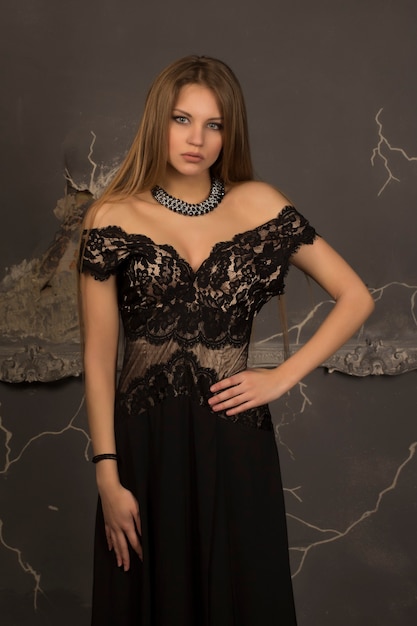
pixel 195 136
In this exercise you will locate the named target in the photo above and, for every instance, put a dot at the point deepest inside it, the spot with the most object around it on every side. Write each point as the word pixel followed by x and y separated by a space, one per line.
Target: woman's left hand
pixel 246 390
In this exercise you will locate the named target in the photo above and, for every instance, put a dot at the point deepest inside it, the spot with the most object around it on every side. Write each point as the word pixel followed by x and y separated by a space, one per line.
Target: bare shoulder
pixel 259 198
pixel 110 213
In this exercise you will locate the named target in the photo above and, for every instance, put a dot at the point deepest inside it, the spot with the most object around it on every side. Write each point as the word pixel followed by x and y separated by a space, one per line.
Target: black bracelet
pixel 103 457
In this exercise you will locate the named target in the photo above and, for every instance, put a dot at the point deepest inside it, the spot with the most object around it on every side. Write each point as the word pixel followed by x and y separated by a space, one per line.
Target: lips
pixel 192 156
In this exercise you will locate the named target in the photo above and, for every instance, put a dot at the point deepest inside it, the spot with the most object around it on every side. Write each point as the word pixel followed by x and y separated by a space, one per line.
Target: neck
pixel 192 189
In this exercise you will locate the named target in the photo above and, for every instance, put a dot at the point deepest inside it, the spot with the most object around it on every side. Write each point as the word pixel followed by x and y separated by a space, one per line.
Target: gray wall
pixel 316 76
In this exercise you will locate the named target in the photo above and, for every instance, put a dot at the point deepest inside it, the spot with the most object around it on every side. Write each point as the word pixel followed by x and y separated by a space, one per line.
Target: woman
pixel 187 248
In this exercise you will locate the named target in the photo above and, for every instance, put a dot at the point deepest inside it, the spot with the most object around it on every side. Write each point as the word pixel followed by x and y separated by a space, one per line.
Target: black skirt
pixel 214 536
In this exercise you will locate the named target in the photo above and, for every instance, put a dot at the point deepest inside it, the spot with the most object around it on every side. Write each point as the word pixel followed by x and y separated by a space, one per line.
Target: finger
pixel 239 409
pixel 117 550
pixel 137 542
pixel 134 541
pixel 108 537
pixel 138 523
pixel 121 550
pixel 232 402
pixel 227 394
pixel 226 382
pixel 222 396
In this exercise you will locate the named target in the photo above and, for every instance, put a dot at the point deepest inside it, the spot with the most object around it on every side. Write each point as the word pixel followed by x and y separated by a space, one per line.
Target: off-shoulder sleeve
pixel 295 230
pixel 102 250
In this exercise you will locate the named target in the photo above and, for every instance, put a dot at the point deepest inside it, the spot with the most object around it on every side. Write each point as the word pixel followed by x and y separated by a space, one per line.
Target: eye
pixel 215 125
pixel 180 119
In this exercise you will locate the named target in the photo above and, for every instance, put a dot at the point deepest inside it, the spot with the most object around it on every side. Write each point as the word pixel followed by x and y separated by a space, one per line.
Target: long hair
pixel 145 163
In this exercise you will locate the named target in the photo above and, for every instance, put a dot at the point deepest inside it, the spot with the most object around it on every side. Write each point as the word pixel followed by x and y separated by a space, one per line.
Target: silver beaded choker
pixel 180 206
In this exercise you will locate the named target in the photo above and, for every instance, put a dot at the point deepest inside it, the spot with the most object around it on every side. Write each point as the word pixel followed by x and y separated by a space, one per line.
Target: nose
pixel 196 135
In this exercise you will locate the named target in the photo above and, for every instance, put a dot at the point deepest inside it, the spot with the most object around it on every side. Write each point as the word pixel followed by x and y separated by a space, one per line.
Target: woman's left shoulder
pixel 260 196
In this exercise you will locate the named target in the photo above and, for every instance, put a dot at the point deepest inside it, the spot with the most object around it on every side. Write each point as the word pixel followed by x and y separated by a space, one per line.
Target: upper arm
pixel 100 318
pixel 320 261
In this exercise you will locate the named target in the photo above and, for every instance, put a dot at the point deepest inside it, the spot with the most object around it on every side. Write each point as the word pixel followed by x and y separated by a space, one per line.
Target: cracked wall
pixel 332 118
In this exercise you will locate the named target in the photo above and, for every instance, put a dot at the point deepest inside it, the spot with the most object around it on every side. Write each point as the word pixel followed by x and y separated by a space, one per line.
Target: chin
pixel 192 170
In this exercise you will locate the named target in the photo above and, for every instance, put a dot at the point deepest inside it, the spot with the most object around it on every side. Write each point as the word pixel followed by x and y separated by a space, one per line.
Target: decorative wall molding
pixel 39 329
pixel 46 362
pixel 373 358
pixel 35 362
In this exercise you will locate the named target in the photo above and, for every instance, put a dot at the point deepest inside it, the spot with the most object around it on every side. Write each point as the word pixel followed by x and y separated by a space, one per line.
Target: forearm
pixel 100 394
pixel 258 386
pixel 346 317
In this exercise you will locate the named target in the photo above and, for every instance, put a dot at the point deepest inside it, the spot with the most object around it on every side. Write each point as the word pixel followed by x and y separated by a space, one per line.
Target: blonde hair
pixel 145 163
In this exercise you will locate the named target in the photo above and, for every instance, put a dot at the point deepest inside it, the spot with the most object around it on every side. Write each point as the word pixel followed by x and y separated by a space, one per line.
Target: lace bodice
pixel 185 328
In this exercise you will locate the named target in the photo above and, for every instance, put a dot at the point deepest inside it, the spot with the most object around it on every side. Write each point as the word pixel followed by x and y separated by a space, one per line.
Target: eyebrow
pixel 189 114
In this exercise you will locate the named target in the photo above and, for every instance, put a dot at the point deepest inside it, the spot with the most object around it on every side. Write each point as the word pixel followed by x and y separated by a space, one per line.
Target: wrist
pixel 104 457
pixel 285 377
pixel 107 475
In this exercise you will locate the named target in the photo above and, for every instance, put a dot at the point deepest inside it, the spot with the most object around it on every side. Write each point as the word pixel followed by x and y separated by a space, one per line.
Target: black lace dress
pixel 208 485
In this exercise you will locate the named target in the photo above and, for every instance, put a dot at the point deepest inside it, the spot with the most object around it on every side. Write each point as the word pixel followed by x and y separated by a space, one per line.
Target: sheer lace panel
pixel 184 329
